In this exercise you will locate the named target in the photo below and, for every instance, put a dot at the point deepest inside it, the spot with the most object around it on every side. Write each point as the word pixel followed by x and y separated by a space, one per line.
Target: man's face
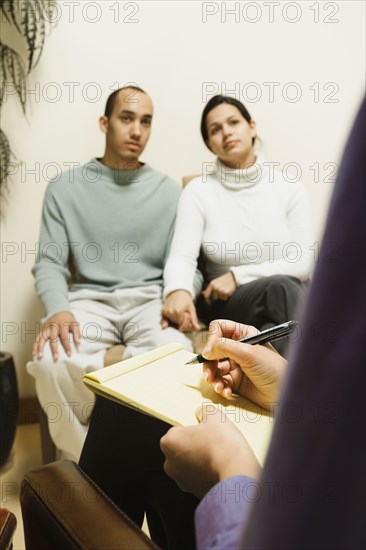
pixel 128 128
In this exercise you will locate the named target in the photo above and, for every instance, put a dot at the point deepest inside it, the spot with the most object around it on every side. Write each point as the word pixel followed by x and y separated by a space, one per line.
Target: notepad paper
pixel 160 384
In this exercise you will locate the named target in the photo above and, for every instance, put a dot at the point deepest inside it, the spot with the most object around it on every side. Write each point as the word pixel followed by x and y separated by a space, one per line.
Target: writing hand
pixel 253 371
pixel 180 309
pixel 198 457
pixel 57 328
pixel 220 288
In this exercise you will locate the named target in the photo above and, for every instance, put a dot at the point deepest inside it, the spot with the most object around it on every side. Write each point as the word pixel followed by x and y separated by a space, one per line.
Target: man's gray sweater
pixel 113 226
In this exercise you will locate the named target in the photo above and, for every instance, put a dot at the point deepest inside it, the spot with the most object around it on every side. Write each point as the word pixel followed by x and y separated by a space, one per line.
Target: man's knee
pixel 44 367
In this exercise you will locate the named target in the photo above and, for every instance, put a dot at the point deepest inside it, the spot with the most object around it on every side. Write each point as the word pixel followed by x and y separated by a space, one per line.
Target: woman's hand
pixel 220 288
pixel 198 457
pixel 180 309
pixel 253 371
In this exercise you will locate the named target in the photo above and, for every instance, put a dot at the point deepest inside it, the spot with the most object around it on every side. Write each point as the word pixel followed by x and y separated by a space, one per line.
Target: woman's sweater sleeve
pixel 181 265
pixel 296 256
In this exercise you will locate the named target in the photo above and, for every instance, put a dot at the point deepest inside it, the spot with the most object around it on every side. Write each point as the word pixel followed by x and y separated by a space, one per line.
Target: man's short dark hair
pixel 112 99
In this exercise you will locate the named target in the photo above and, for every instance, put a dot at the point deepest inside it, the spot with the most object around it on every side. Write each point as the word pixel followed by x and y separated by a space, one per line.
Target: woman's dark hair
pixel 218 100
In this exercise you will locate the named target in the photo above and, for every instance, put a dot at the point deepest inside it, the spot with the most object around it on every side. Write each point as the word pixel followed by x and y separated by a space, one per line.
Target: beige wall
pixel 298 66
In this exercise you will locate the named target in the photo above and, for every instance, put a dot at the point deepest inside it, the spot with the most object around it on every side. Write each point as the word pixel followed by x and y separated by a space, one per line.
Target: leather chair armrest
pixel 8 524
pixel 64 509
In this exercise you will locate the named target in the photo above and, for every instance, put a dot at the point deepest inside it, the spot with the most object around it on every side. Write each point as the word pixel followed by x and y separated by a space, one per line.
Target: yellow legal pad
pixel 160 384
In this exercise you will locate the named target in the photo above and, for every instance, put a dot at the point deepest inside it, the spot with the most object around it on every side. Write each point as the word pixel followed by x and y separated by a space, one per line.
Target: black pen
pixel 269 335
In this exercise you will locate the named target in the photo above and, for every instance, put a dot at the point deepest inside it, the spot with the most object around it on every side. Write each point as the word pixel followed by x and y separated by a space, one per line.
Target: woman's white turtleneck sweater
pixel 251 222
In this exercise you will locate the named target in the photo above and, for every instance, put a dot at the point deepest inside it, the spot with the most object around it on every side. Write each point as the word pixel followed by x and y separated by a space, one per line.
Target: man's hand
pixel 220 288
pixel 180 309
pixel 253 371
pixel 197 457
pixel 57 328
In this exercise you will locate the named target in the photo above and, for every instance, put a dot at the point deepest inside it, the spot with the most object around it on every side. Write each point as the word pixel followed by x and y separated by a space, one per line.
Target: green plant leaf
pixel 30 18
pixel 9 9
pixel 12 72
pixel 5 156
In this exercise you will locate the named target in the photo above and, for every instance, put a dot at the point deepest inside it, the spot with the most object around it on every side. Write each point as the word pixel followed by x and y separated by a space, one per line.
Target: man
pixel 112 220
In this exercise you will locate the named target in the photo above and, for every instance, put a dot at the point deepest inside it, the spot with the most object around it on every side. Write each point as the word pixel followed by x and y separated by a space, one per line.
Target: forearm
pixel 180 275
pixel 50 270
pixel 52 289
pixel 180 269
pixel 299 267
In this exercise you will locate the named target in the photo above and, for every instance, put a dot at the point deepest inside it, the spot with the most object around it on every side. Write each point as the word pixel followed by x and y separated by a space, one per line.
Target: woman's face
pixel 230 136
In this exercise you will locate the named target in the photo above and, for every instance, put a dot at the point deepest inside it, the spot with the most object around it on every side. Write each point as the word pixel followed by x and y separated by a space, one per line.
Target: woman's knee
pixel 284 282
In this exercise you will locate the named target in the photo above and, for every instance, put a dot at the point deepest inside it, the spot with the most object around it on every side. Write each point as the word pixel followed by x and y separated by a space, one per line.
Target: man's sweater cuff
pixel 54 302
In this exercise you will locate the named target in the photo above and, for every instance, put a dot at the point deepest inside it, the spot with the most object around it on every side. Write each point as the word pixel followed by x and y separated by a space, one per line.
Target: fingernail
pixel 68 353
pixel 216 386
pixel 206 351
pixel 205 375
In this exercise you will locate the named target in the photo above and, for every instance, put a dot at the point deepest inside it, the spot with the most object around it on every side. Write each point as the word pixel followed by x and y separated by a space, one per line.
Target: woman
pixel 250 224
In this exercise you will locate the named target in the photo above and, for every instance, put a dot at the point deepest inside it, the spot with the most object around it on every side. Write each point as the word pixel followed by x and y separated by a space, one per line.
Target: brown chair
pixel 8 524
pixel 64 509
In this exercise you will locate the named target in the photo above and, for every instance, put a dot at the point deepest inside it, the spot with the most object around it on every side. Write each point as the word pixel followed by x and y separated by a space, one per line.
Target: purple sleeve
pixel 221 515
pixel 315 466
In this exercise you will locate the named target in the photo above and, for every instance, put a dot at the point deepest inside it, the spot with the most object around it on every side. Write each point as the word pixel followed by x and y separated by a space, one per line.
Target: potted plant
pixel 29 18
pixel 9 405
